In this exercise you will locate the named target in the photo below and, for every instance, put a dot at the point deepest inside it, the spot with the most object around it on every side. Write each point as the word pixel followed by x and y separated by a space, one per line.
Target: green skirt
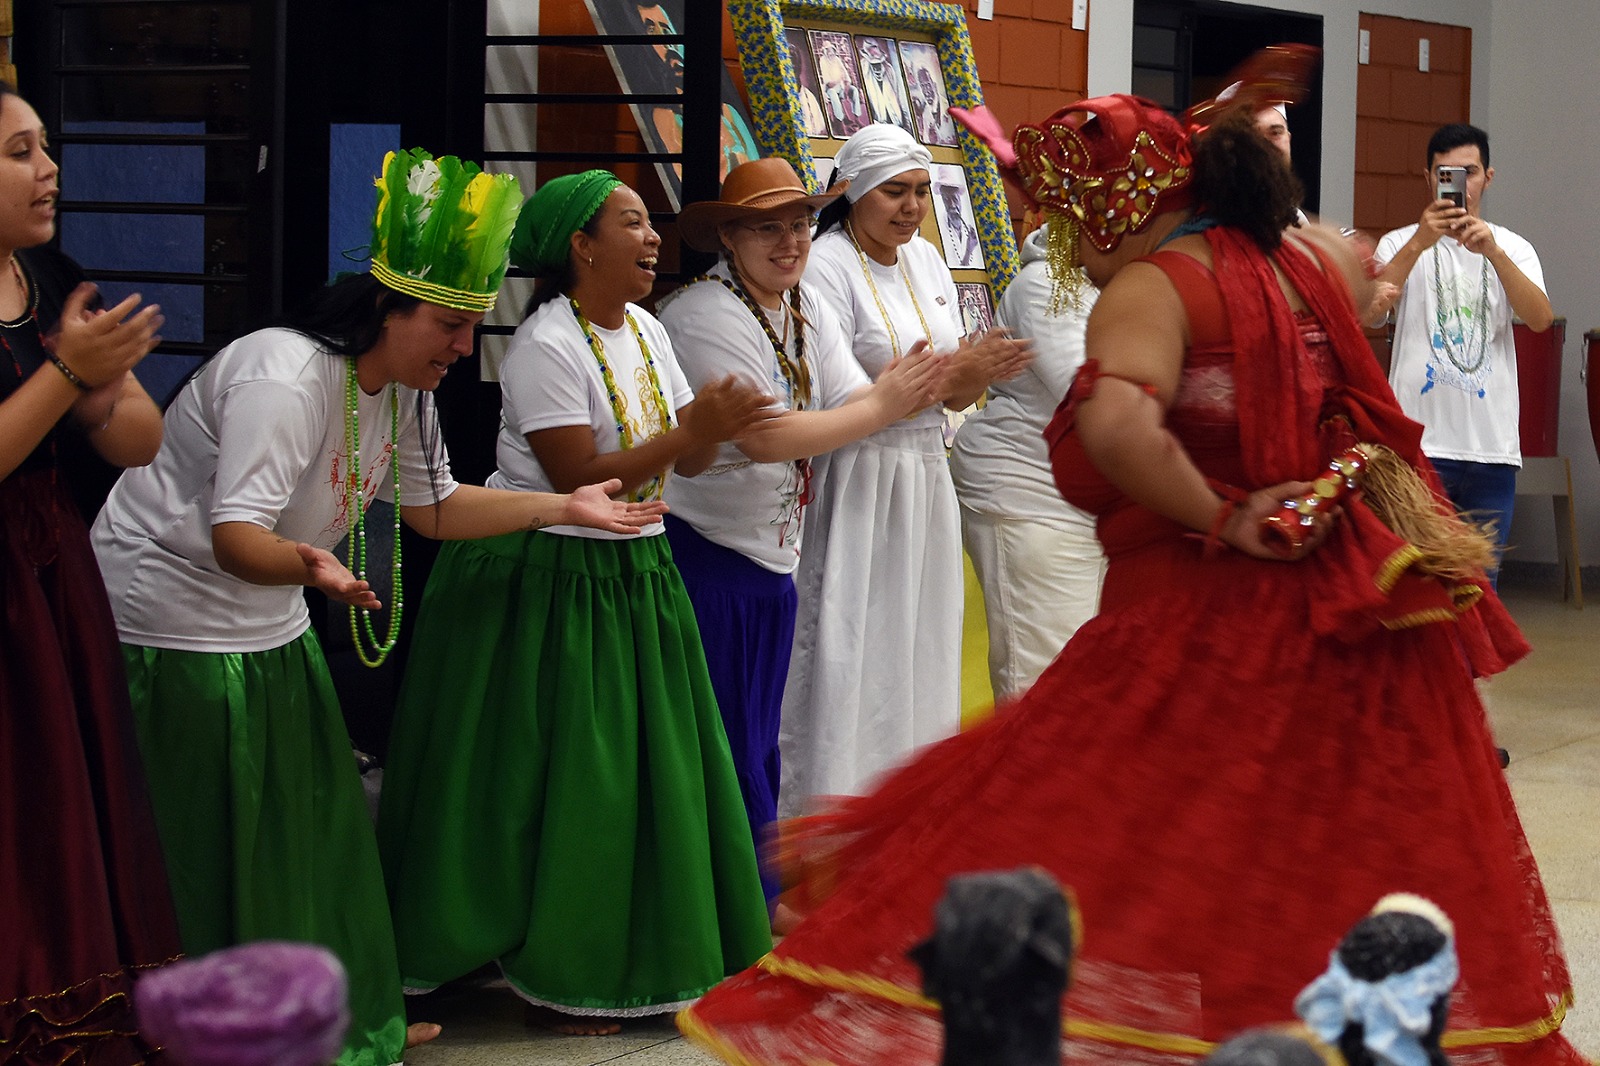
pixel 262 818
pixel 558 795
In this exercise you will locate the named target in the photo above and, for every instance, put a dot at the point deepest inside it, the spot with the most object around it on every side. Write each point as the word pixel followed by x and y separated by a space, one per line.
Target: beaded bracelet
pixel 66 372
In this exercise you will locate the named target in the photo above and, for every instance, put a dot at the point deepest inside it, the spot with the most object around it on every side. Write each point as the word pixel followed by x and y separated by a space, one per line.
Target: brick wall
pixel 1397 109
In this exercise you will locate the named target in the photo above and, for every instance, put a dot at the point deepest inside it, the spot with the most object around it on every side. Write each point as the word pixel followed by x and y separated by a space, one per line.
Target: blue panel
pixel 161 373
pixel 355 155
pixel 150 243
pixel 134 173
pixel 183 306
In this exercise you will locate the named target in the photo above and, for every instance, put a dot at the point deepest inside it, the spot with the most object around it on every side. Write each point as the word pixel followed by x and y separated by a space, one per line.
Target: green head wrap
pixel 552 215
pixel 441 230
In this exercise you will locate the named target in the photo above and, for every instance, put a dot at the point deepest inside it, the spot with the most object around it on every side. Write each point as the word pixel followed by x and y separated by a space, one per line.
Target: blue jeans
pixel 1484 492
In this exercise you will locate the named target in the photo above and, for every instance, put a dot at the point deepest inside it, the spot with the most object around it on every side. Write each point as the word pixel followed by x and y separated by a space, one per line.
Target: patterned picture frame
pixel 776 104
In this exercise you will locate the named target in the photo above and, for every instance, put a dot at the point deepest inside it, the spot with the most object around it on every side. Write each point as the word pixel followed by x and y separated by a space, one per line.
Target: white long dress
pixel 876 670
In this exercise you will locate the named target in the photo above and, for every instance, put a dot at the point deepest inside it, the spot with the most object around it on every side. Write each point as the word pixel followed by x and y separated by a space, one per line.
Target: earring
pixel 591 262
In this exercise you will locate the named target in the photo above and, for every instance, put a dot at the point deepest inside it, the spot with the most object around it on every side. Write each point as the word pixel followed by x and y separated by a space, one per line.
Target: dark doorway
pixel 1183 51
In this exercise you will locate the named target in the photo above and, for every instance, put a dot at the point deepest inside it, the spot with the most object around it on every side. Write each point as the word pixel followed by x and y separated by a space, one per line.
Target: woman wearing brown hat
pixel 735 530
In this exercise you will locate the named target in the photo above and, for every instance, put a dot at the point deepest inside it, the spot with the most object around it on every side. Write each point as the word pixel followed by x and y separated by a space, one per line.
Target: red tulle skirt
pixel 1224 791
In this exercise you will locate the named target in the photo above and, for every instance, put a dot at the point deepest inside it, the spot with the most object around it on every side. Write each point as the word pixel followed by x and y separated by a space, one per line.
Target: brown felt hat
pixel 751 189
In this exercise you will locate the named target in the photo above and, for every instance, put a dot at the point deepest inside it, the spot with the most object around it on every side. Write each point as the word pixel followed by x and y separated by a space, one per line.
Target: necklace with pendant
pixel 1475 333
pixel 894 339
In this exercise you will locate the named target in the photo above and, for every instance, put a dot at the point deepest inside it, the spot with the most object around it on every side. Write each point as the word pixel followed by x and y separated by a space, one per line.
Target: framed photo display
pixel 659 69
pixel 819 70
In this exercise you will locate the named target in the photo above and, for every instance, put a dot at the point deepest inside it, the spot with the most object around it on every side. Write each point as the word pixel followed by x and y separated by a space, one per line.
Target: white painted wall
pixel 1543 139
pixel 1528 60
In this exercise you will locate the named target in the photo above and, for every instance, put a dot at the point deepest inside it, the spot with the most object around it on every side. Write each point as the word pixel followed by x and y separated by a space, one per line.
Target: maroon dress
pixel 1228 766
pixel 84 904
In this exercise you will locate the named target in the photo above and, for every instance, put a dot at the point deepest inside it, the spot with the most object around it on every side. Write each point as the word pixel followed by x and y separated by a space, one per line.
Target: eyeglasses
pixel 772 232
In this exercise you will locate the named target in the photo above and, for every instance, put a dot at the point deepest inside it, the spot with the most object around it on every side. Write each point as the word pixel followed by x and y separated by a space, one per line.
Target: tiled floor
pixel 1546 711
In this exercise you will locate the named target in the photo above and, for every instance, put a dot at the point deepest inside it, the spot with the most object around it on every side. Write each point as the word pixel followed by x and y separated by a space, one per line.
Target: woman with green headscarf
pixel 559 797
pixel 271 456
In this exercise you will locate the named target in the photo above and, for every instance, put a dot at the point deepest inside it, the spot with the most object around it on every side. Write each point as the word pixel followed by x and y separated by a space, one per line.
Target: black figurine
pixel 1273 1046
pixel 998 963
pixel 1385 997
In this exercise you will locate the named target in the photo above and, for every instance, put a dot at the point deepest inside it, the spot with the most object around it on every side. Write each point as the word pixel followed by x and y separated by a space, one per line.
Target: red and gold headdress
pixel 1103 167
pixel 1113 163
pixel 1107 166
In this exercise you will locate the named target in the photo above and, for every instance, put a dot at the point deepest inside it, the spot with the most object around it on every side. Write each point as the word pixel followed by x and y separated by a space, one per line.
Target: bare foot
pixel 784 919
pixel 570 1024
pixel 421 1033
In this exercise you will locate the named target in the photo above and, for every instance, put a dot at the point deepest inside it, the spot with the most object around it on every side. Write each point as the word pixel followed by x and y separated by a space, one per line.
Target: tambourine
pixel 1288 528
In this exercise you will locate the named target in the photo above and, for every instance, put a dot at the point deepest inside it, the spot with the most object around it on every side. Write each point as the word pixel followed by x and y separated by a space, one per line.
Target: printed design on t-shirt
pixel 650 424
pixel 1459 350
pixel 339 484
pixel 793 495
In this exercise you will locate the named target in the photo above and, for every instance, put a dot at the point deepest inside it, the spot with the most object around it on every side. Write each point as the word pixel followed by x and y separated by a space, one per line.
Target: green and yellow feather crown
pixel 442 229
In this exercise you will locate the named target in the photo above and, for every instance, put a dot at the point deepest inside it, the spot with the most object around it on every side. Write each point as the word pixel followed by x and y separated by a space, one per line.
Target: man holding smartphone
pixel 1453 363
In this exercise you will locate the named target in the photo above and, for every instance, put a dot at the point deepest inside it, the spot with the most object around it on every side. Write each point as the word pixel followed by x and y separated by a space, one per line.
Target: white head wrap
pixel 875 154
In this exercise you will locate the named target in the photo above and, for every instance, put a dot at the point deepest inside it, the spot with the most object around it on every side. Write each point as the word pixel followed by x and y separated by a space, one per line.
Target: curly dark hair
pixel 1244 182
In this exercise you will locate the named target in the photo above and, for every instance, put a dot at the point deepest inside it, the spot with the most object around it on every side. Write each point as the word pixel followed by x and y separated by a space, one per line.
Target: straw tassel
pixel 1449 545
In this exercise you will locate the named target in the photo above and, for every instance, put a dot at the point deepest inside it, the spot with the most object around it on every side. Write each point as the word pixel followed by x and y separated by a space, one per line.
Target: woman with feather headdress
pixel 559 798
pixel 272 453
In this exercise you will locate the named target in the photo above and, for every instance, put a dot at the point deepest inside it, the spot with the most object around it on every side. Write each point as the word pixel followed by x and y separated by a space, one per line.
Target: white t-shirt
pixel 752 508
pixel 1459 377
pixel 835 273
pixel 1000 461
pixel 258 436
pixel 550 378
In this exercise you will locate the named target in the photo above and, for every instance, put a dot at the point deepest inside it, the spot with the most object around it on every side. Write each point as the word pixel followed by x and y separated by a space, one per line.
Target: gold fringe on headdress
pixel 1450 546
pixel 1067 280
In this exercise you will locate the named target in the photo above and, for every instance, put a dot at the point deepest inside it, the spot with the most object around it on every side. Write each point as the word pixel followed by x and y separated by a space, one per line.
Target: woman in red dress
pixel 1259 735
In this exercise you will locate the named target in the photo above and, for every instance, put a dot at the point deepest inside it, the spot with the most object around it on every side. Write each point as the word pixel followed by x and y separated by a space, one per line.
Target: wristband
pixel 1214 542
pixel 66 372
pixel 1232 497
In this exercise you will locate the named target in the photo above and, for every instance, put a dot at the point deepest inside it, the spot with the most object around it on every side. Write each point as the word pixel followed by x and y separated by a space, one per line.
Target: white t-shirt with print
pixel 753 508
pixel 258 436
pixel 1000 462
pixel 854 294
pixel 1458 376
pixel 551 379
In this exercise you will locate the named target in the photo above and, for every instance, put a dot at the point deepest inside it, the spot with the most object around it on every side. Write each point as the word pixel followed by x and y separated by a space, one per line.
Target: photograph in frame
pixel 935 50
pixel 843 101
pixel 977 309
pixel 930 101
pixel 659 69
pixel 881 80
pixel 810 90
pixel 952 210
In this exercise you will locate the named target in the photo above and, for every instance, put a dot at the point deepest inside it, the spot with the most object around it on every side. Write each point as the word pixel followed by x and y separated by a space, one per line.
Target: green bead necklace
pixel 355 497
pixel 650 490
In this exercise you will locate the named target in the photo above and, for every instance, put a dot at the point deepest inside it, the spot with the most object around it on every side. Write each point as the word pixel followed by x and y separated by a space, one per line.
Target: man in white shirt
pixel 1453 363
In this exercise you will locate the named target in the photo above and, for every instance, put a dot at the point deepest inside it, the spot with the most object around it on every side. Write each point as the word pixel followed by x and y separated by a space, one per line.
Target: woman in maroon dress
pixel 83 893
pixel 1260 734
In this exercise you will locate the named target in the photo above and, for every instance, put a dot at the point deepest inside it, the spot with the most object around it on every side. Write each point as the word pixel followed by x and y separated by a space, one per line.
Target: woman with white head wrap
pixel 882 566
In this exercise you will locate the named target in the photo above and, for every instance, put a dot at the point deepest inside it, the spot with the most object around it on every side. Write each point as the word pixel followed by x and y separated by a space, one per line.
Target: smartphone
pixel 1453 185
